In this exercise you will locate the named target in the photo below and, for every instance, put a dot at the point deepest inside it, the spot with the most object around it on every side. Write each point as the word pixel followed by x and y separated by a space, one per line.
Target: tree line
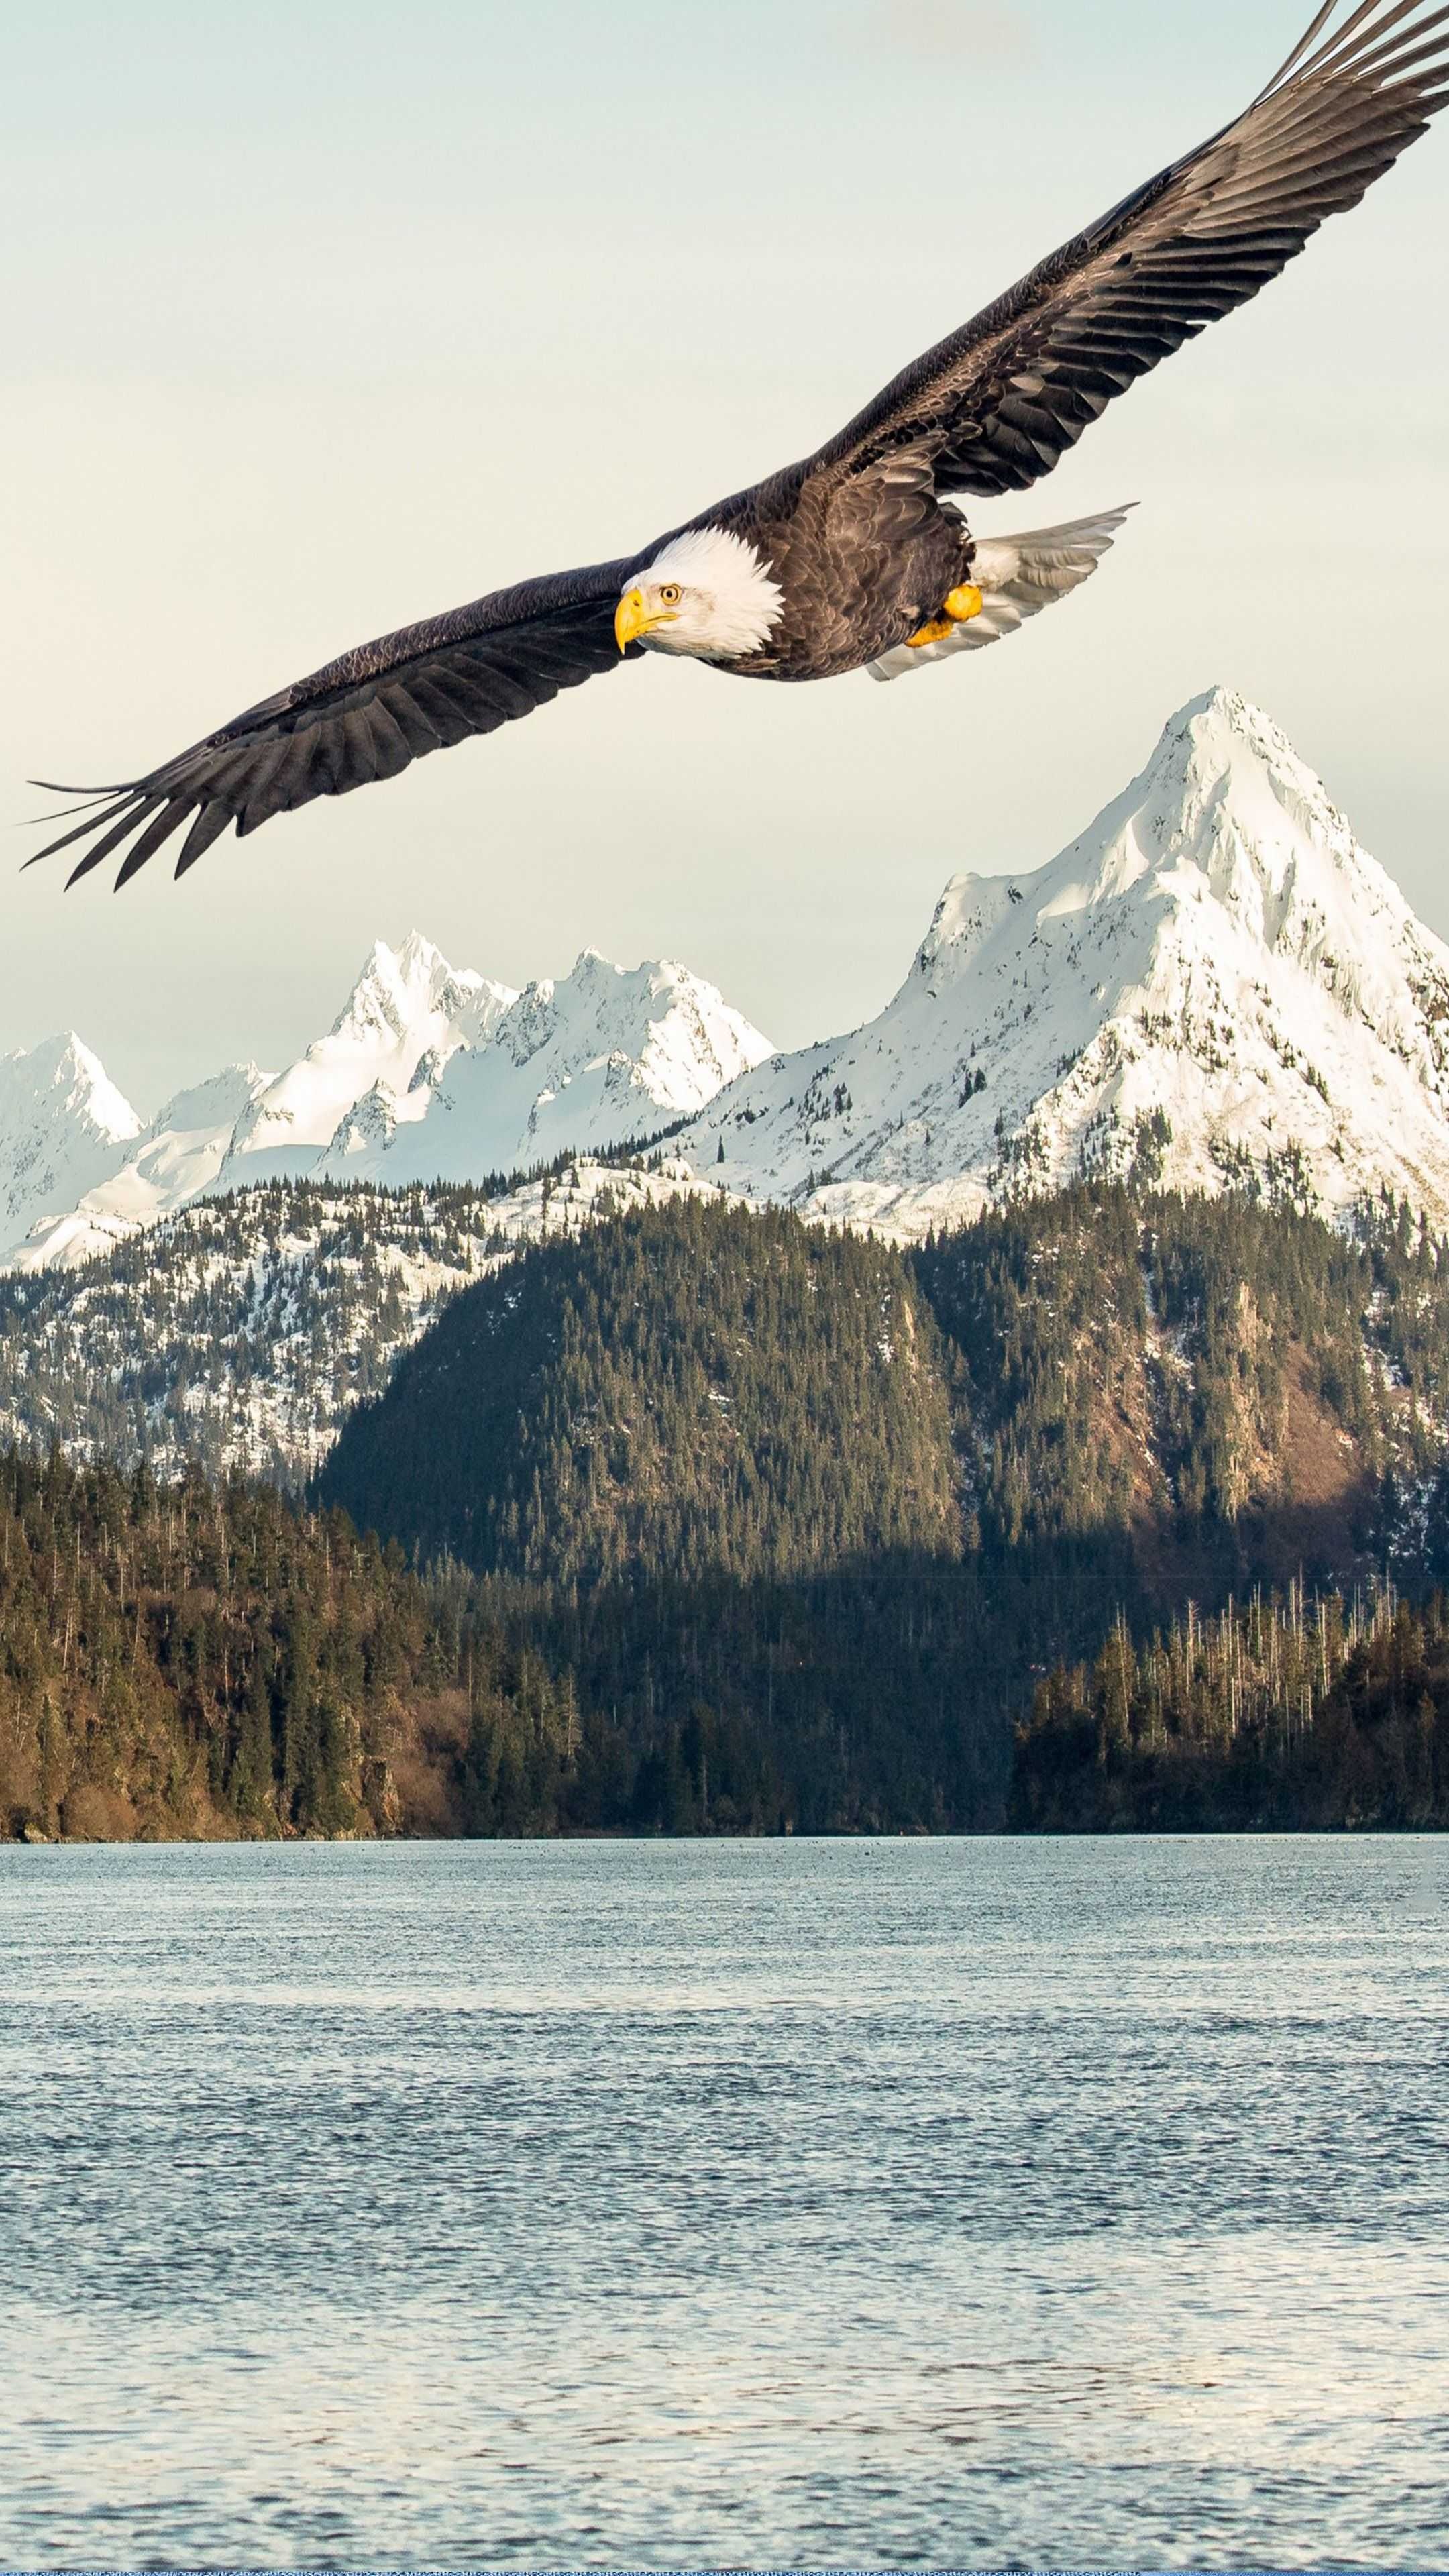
pixel 1311 1713
pixel 701 1520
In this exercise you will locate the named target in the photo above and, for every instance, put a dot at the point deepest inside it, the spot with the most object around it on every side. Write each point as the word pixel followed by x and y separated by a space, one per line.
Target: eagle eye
pixel 670 594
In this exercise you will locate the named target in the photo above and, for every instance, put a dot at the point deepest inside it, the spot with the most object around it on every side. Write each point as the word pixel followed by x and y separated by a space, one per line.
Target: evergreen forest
pixel 1111 1510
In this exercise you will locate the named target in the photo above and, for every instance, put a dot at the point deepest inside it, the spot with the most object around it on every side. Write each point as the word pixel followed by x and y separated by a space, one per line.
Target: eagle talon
pixel 959 607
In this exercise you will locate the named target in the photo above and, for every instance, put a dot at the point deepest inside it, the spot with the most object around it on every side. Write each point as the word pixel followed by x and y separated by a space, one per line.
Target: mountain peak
pixel 605 1054
pixel 221 1098
pixel 1221 745
pixel 417 951
pixel 1221 778
pixel 1223 706
pixel 1212 985
pixel 64 1129
pixel 66 1072
pixel 394 983
pixel 427 1068
pixel 1213 982
pixel 407 1007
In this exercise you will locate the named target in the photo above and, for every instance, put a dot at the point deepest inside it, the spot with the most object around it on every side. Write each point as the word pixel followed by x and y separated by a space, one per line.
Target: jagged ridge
pixel 1214 984
pixel 428 1071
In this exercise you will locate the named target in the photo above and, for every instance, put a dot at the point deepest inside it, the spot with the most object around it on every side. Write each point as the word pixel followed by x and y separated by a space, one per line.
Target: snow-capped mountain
pixel 1213 982
pixel 179 1155
pixel 428 1071
pixel 63 1127
pixel 408 1013
pixel 603 1056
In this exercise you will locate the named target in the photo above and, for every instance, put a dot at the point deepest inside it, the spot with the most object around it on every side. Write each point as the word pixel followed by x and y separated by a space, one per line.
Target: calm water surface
pixel 768 2202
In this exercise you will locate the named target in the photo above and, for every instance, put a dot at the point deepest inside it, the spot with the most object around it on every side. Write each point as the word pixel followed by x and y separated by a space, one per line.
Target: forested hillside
pixel 236 1333
pixel 203 1661
pixel 712 1454
pixel 843 1506
pixel 240 1332
pixel 691 1391
pixel 695 1519
pixel 1238 1391
pixel 207 1661
pixel 1199 1393
pixel 1310 1714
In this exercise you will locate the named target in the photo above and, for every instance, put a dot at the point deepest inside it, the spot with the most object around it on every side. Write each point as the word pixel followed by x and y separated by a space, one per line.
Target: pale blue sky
pixel 319 320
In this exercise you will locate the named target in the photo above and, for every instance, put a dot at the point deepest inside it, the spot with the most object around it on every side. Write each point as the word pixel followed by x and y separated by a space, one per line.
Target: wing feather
pixel 159 829
pixel 127 802
pixel 210 822
pixel 364 717
pixel 135 813
pixel 262 784
pixel 440 710
pixel 998 403
pixel 418 730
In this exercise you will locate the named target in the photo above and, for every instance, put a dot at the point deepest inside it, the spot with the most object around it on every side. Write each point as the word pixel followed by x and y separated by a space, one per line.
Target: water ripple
pixel 825 2204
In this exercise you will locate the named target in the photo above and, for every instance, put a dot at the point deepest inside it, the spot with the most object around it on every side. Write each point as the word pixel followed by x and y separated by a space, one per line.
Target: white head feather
pixel 728 602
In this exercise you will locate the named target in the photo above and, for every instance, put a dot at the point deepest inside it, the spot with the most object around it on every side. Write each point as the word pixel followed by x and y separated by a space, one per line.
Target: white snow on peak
pixel 428 1069
pixel 602 1056
pixel 71 1084
pixel 1213 983
pixel 63 1127
pixel 178 1155
pixel 407 1005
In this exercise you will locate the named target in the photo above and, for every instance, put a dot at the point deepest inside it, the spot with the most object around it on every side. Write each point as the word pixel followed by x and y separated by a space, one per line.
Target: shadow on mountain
pixel 883 1695
pixel 802 1527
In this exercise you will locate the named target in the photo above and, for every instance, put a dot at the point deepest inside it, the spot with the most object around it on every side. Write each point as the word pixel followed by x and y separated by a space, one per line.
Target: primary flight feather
pixel 856 558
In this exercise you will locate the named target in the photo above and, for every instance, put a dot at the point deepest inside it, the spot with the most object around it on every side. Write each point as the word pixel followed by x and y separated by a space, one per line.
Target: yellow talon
pixel 935 632
pixel 960 606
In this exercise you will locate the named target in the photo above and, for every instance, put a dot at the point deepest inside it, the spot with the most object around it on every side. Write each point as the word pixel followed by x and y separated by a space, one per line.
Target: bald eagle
pixel 856 558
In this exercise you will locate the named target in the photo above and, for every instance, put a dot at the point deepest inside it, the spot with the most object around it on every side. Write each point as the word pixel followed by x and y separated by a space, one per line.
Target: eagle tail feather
pixel 1017 576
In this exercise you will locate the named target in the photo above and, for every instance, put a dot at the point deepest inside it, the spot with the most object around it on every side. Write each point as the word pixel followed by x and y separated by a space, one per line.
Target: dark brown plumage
pixel 860 537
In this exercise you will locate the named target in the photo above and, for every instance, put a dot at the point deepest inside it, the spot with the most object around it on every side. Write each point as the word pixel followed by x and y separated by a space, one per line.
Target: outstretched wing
pixel 998 403
pixel 364 716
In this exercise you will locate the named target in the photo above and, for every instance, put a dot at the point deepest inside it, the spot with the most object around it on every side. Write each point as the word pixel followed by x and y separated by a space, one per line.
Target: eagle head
pixel 707 593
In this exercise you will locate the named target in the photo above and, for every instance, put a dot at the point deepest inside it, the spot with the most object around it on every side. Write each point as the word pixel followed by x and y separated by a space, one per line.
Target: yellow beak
pixel 632 619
